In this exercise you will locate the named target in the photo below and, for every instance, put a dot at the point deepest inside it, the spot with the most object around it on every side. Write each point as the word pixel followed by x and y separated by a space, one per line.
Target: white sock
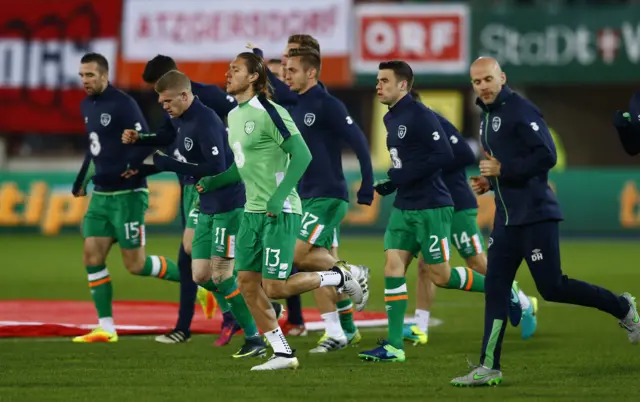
pixel 107 324
pixel 524 300
pixel 332 323
pixel 329 278
pixel 278 342
pixel 422 320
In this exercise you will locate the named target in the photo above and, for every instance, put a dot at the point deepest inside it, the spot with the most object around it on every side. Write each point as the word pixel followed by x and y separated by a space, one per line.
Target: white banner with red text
pixel 203 36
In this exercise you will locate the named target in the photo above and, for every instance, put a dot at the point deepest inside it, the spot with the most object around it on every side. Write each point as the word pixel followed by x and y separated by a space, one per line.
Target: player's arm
pixel 86 172
pixel 210 141
pixel 342 123
pixel 286 134
pixel 132 118
pixel 541 155
pixel 165 136
pixel 282 93
pixel 629 133
pixel 434 147
pixel 463 155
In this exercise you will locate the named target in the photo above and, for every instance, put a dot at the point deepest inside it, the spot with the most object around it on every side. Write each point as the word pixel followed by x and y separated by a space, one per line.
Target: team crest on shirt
pixel 402 131
pixel 309 119
pixel 495 123
pixel 188 143
pixel 105 119
pixel 249 127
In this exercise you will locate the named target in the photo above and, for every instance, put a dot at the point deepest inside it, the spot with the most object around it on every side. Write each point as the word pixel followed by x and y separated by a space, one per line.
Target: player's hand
pixel 490 167
pixel 274 207
pixel 621 119
pixel 204 184
pixel 130 136
pixel 365 195
pixel 251 46
pixel 129 173
pixel 479 184
pixel 384 187
pixel 79 193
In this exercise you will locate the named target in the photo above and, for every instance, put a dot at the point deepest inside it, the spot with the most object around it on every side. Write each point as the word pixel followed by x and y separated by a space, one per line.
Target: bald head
pixel 487 79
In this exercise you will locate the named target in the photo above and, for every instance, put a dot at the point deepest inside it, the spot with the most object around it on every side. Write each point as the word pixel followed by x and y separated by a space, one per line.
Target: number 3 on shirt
pixel 94 143
pixel 395 159
pixel 238 156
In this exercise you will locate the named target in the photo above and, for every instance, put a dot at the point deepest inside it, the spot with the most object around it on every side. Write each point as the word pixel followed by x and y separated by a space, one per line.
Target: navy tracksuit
pixel 526 222
pixel 629 130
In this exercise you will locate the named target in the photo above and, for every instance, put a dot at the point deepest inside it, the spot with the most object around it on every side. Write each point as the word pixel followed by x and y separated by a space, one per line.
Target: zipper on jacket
pixel 486 140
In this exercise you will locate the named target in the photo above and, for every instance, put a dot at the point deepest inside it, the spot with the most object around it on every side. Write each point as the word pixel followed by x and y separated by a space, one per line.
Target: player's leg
pixel 128 220
pixel 279 246
pixel 99 236
pixel 418 333
pixel 504 259
pixel 542 252
pixel 433 230
pixel 400 245
pixel 344 304
pixel 295 321
pixel 250 262
pixel 222 250
pixel 468 240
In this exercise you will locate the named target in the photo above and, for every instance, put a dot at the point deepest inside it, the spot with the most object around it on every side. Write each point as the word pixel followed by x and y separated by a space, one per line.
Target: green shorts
pixel 426 231
pixel 266 244
pixel 465 233
pixel 321 221
pixel 118 215
pixel 189 197
pixel 215 235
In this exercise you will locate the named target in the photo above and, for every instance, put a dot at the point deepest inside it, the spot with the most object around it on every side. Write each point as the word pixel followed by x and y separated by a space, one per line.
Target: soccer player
pixel 467 239
pixel 270 158
pixel 202 139
pixel 117 207
pixel 627 125
pixel 520 153
pixel 324 123
pixel 420 221
pixel 220 102
pixel 276 67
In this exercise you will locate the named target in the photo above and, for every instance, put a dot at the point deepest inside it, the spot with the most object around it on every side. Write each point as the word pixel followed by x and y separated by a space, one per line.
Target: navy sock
pixel 188 290
pixel 294 308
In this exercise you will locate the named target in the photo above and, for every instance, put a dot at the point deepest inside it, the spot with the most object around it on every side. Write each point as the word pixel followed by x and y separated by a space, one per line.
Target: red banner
pixel 432 38
pixel 41 43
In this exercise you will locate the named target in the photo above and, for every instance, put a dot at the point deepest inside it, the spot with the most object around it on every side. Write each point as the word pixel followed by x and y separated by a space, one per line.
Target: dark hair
pixel 100 60
pixel 255 65
pixel 305 41
pixel 309 57
pixel 401 70
pixel 157 67
pixel 274 61
pixel 415 95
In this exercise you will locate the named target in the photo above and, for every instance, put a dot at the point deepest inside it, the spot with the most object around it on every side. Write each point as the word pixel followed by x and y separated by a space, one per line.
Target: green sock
pixel 223 304
pixel 239 309
pixel 162 268
pixel 101 289
pixel 395 300
pixel 466 279
pixel 345 309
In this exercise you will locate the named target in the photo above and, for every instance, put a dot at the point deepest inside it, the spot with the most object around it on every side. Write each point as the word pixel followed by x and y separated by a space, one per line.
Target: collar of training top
pixel 500 99
pixel 316 89
pixel 106 91
pixel 404 101
pixel 192 109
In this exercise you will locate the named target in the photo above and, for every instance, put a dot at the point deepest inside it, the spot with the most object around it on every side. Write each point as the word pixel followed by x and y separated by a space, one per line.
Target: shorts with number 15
pixel 118 215
pixel 266 244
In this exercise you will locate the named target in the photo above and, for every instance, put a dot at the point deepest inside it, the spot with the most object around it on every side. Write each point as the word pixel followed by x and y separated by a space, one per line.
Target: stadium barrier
pixel 594 202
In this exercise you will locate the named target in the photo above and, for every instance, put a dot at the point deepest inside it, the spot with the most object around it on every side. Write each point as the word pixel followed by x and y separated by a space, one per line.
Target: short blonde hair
pixel 173 80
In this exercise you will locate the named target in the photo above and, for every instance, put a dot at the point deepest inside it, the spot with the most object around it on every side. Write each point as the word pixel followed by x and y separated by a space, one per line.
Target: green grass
pixel 578 354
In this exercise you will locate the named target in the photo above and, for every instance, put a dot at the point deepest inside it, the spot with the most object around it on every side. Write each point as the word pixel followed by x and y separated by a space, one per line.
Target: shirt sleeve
pixel 342 124
pixel 541 156
pixel 220 101
pixel 282 127
pixel 433 151
pixel 463 155
pixel 131 117
pixel 165 136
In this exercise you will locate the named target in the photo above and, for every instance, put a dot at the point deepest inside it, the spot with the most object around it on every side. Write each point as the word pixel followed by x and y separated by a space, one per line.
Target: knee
pixel 439 276
pixel 92 258
pixel 246 284
pixel 200 277
pixel 134 263
pixel 275 289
